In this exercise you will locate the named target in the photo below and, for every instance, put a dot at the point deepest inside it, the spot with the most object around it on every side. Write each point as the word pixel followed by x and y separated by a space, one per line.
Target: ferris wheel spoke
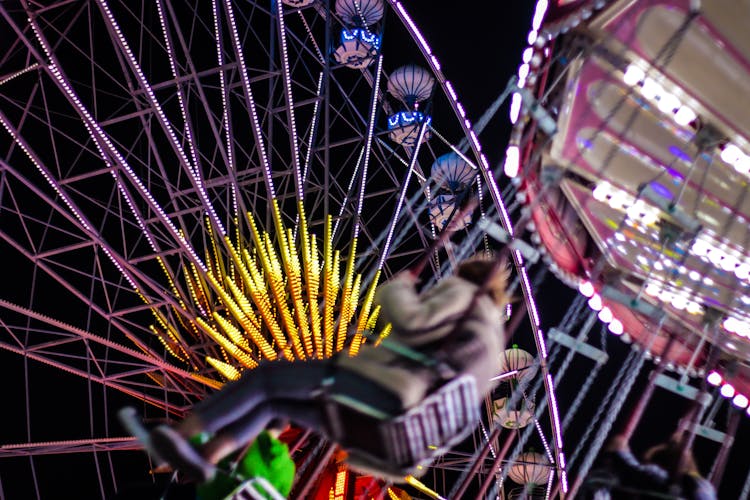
pixel 193 170
pixel 291 122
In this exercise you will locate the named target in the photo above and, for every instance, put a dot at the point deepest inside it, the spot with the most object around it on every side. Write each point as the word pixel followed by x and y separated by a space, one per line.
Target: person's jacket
pixel 427 323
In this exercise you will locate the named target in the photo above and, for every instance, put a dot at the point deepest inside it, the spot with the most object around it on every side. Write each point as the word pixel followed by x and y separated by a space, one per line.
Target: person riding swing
pixel 434 369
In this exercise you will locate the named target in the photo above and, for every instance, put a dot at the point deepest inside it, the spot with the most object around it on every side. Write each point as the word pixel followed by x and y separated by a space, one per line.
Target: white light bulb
pixel 684 116
pixel 526 56
pixel 743 329
pixel 693 308
pixel 595 302
pixel 653 289
pixel 512 161
pixel 714 378
pixel 515 107
pixel 727 390
pixel 742 165
pixel 633 75
pixel 740 401
pixel 742 271
pixel 730 154
pixel 728 263
pixel 730 324
pixel 586 288
pixel 668 103
pixel 651 89
pixel 605 315
pixel 679 302
pixel 700 248
pixel 601 191
pixel 615 326
pixel 715 256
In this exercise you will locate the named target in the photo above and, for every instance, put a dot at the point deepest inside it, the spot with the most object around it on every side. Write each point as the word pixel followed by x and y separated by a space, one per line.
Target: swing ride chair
pixel 406 444
pixel 257 488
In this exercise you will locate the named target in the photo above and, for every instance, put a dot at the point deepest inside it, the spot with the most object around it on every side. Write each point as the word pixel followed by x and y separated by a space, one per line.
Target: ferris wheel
pixel 179 179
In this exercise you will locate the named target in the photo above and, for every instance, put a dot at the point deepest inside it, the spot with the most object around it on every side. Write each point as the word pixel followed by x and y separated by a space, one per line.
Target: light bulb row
pixel 678 299
pixel 652 91
pixel 605 315
pixel 620 200
pixel 722 257
pixel 728 391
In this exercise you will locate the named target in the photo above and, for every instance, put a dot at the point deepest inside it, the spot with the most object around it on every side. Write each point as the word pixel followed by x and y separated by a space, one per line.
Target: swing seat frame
pixel 394 447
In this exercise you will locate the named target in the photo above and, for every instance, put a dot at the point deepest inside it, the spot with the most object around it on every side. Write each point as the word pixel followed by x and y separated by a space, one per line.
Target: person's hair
pixel 490 275
pixel 669 456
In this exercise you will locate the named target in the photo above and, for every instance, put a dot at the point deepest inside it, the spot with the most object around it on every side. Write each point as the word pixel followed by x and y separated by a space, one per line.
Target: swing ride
pixel 189 189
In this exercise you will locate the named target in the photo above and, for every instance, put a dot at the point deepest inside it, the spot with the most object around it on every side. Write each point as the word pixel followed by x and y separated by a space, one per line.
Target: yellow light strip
pixel 169 344
pixel 294 280
pixel 259 294
pixel 227 371
pixel 364 316
pixel 218 260
pixel 232 332
pixel 273 278
pixel 419 485
pixel 237 353
pixel 312 279
pixel 345 314
pixel 330 287
pixel 255 335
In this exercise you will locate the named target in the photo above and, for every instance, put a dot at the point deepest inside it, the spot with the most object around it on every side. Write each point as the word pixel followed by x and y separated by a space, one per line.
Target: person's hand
pixel 618 443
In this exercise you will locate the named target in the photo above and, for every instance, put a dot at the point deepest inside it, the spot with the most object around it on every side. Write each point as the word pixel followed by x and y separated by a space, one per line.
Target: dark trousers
pixel 242 409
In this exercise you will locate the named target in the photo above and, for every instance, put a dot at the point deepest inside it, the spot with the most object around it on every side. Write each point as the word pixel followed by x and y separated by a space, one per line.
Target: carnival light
pixel 727 390
pixel 586 288
pixel 714 378
pixel 605 315
pixel 668 103
pixel 651 89
pixel 633 75
pixel 740 401
pixel 512 161
pixel 684 116
pixel 595 302
pixel 615 327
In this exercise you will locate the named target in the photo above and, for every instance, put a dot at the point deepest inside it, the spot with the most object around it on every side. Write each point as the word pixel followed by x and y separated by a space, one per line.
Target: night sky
pixel 479 45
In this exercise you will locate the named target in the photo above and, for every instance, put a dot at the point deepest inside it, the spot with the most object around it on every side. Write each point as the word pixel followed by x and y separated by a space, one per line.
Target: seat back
pixel 441 421
pixel 401 445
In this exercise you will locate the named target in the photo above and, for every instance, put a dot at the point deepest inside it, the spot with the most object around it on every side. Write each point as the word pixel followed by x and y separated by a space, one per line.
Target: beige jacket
pixel 430 318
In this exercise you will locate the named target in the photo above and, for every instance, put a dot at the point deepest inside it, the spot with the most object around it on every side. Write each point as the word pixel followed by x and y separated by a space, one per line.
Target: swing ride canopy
pixel 640 196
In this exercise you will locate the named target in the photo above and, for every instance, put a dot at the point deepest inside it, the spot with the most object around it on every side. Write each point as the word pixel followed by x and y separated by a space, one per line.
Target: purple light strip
pixel 368 143
pixel 402 195
pixel 116 261
pixel 18 73
pixel 287 78
pixel 348 190
pixel 494 190
pixel 226 114
pixel 312 38
pixel 100 138
pixel 249 99
pixel 315 117
pixel 193 170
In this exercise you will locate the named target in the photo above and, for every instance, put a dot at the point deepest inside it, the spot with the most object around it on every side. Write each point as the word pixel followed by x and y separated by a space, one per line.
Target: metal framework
pixel 138 135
